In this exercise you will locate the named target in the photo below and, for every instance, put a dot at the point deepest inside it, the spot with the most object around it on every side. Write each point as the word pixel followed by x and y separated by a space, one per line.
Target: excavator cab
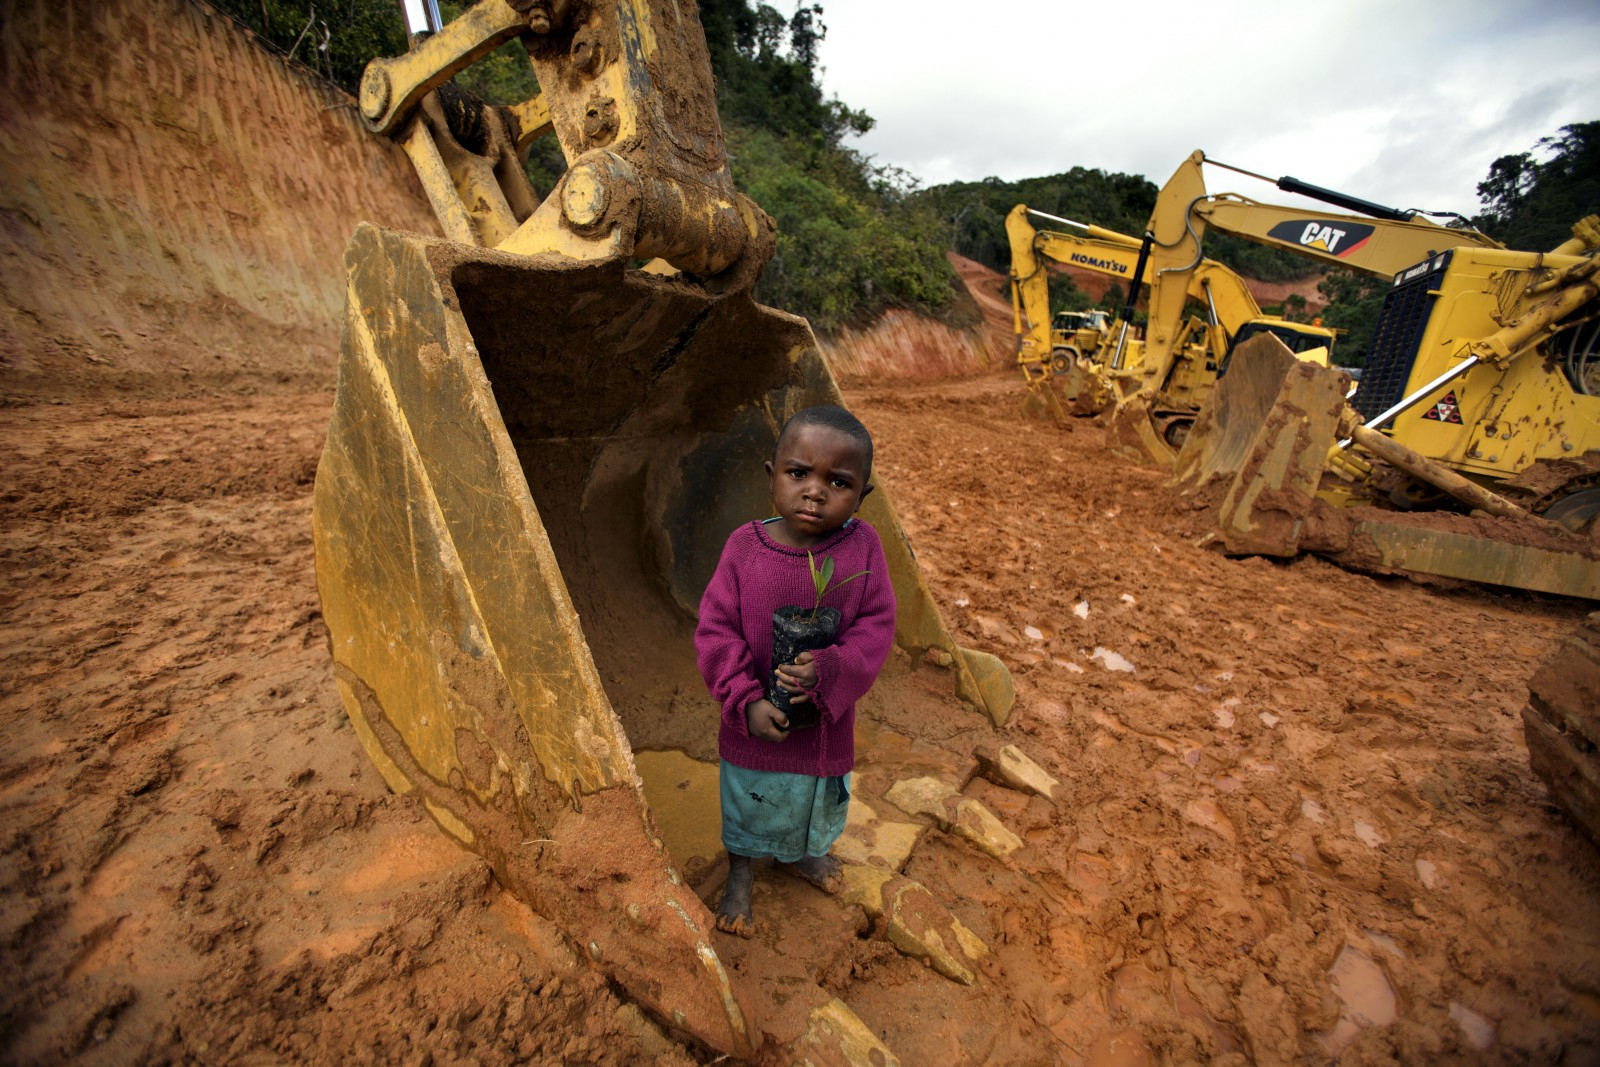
pixel 545 427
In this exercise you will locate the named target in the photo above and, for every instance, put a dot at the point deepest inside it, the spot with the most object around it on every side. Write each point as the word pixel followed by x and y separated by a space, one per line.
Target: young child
pixel 785 792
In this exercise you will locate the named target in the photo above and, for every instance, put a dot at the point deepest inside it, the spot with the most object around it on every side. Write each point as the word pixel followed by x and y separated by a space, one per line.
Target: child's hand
pixel 763 719
pixel 798 677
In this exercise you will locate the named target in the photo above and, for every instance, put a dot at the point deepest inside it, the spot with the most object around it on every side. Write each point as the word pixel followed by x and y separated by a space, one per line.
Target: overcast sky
pixel 1405 102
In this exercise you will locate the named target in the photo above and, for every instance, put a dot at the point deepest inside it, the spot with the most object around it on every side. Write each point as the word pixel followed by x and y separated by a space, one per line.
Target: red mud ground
pixel 1303 824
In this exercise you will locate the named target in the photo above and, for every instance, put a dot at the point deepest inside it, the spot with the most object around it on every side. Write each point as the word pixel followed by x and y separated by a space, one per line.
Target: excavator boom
pixel 1176 371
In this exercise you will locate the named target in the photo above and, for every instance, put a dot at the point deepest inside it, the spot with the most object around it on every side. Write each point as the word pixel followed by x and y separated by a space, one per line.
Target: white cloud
pixel 1405 103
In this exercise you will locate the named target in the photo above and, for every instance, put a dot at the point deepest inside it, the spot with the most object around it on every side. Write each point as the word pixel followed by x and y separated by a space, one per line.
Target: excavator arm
pixel 1030 295
pixel 1381 246
pixel 1373 246
pixel 1107 252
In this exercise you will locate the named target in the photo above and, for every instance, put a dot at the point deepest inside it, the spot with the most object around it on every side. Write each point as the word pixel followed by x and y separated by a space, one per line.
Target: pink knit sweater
pixel 755 577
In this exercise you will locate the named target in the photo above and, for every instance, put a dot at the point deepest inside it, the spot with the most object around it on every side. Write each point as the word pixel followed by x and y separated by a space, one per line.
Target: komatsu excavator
pixel 536 453
pixel 1481 394
pixel 1179 371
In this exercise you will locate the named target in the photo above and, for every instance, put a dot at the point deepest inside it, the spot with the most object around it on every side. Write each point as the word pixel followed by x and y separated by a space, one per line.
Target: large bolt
pixel 586 51
pixel 546 16
pixel 375 90
pixel 584 197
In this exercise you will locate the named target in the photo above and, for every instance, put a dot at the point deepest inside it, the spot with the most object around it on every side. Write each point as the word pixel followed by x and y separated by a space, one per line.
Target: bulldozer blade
pixel 1264 435
pixel 1257 453
pixel 530 471
pixel 1085 388
pixel 1131 432
pixel 1393 542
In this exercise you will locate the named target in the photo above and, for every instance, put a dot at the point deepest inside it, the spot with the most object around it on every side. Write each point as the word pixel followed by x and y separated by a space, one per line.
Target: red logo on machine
pixel 1446 410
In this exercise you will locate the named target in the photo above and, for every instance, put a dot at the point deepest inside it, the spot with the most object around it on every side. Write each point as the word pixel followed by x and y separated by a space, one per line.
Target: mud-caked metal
pixel 535 455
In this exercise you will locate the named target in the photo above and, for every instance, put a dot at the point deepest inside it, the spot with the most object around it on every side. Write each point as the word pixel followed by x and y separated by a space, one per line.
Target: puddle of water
pixel 684 797
pixel 1365 997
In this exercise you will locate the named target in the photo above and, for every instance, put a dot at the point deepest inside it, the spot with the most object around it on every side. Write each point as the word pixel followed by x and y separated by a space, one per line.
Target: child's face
pixel 819 478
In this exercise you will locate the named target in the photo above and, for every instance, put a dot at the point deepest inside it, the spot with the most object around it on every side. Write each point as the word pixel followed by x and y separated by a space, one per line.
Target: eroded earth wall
pixel 903 346
pixel 175 203
pixel 175 200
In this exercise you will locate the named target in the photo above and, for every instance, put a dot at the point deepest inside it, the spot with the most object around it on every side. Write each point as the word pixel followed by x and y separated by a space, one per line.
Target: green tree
pixel 1115 297
pixel 1530 203
pixel 1354 301
pixel 766 68
pixel 852 238
pixel 974 212
pixel 335 38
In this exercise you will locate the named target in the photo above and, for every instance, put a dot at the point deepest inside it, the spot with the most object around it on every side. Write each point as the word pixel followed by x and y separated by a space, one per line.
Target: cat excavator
pixel 1180 371
pixel 545 426
pixel 1471 447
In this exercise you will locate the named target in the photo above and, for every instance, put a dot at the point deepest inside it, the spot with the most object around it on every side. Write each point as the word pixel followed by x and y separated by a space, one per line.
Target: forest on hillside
pixel 856 236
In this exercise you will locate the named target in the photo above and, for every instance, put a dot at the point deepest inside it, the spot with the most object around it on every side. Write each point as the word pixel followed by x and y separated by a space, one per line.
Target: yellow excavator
pixel 1178 372
pixel 1477 414
pixel 545 427
pixel 1169 260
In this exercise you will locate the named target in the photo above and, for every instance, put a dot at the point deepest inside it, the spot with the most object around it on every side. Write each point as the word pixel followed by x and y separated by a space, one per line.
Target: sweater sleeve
pixel 847 669
pixel 721 650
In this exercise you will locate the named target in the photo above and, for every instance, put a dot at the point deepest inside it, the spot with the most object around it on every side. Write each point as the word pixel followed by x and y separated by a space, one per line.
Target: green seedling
pixel 822 579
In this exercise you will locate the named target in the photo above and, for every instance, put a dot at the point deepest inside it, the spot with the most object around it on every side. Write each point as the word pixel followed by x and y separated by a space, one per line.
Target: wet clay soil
pixel 1297 820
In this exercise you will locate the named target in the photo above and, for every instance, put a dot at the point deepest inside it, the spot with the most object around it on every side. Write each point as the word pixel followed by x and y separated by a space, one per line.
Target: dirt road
pixel 1299 819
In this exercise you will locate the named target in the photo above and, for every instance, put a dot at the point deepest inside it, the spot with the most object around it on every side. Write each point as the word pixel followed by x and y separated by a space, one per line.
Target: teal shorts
pixel 786 816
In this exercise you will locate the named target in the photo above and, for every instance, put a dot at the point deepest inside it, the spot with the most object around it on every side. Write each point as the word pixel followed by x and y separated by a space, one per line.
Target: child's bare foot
pixel 824 872
pixel 733 913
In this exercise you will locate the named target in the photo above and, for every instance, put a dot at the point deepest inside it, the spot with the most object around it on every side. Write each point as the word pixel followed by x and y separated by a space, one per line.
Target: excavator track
pixel 1574 502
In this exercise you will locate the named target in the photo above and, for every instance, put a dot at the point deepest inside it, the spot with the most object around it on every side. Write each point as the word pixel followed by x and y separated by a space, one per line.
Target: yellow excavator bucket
pixel 536 454
pixel 529 475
